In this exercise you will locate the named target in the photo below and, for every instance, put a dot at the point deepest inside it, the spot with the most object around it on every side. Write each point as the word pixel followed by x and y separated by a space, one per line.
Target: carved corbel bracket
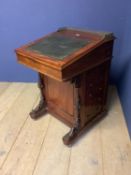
pixel 41 108
pixel 74 131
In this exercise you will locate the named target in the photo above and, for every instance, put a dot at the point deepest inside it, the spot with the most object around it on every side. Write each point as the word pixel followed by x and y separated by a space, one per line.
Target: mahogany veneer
pixel 73 68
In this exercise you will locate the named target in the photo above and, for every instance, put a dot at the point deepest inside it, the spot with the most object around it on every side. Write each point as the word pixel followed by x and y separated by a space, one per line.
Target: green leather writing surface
pixel 57 46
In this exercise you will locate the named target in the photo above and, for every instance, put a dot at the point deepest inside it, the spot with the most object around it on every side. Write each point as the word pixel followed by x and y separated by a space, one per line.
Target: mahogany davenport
pixel 73 67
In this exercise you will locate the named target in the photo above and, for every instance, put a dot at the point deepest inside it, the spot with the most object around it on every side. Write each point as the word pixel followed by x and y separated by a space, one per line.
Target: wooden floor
pixel 29 147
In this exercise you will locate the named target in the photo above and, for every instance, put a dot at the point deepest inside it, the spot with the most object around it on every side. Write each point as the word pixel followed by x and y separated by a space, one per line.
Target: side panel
pixel 60 99
pixel 93 91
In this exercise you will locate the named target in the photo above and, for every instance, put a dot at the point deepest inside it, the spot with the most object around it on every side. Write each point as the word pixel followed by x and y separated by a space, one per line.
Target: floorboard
pixel 116 145
pixel 54 157
pixel 4 86
pixel 9 96
pixel 35 147
pixel 14 119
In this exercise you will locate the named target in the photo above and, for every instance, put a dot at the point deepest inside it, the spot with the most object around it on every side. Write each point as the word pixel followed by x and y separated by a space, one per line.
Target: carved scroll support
pixel 41 108
pixel 74 131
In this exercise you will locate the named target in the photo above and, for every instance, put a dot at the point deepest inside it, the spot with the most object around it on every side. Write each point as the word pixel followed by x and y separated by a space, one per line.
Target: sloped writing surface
pixel 58 46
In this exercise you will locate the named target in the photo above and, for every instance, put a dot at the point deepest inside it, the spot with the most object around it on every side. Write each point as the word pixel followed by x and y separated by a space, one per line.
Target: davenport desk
pixel 73 68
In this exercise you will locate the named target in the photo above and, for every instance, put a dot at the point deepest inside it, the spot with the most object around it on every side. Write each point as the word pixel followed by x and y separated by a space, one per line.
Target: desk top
pixel 58 46
pixel 60 49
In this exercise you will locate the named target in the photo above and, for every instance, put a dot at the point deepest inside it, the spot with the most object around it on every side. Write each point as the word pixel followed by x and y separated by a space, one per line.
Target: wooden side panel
pixel 93 91
pixel 59 96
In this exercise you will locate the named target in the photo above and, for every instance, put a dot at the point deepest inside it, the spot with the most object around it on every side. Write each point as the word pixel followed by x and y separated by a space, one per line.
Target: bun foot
pixel 39 111
pixel 70 137
pixel 37 114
